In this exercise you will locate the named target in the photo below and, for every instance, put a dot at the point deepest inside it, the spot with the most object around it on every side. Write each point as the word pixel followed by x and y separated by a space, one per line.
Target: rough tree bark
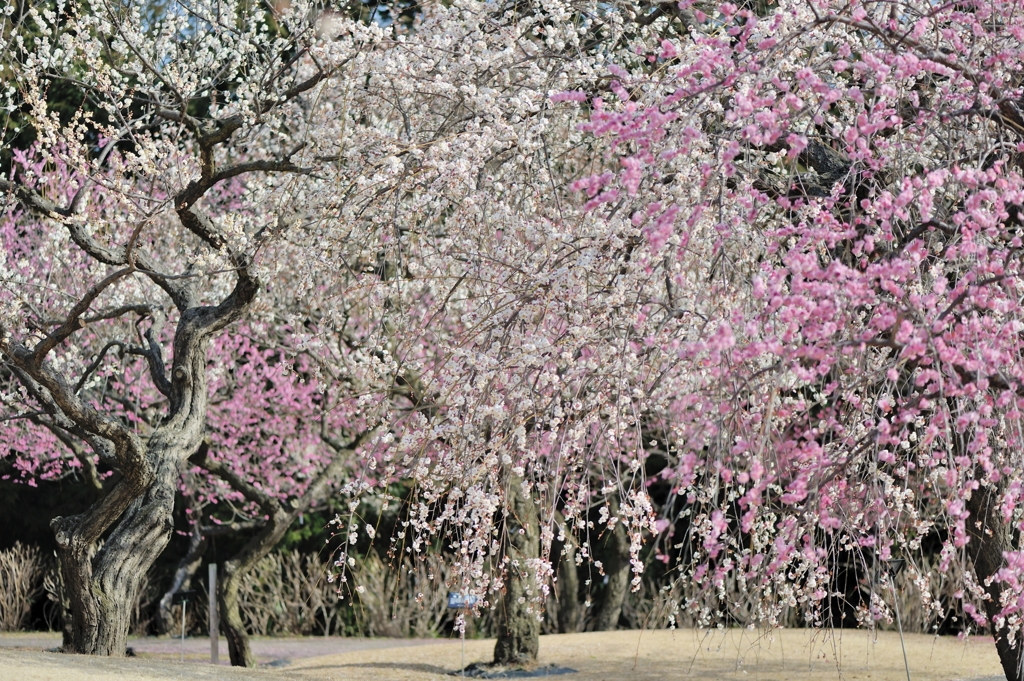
pixel 280 516
pixel 104 585
pixel 990 536
pixel 615 552
pixel 518 626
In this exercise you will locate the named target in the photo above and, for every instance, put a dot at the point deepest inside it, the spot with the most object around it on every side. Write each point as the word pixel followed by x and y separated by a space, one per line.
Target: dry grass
pixel 21 581
pixel 288 593
pixel 410 601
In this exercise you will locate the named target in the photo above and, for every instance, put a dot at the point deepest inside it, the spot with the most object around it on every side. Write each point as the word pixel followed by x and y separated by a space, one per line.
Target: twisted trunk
pixel 232 574
pixel 518 627
pixel 134 518
pixel 991 535
pixel 102 582
pixel 136 514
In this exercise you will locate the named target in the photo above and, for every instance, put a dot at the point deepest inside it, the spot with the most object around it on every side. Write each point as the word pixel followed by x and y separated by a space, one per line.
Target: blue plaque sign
pixel 461 601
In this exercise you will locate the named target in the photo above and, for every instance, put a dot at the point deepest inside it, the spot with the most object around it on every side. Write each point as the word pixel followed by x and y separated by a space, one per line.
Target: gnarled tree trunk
pixel 103 580
pixel 518 626
pixel 991 535
pixel 103 584
pixel 134 517
pixel 121 235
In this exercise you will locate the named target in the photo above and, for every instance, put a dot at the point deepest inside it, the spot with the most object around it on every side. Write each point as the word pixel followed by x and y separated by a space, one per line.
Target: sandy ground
pixel 733 655
pixel 269 650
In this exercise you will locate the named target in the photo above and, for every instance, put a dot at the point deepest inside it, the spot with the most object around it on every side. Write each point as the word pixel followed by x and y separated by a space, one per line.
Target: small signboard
pixel 458 601
pixel 179 597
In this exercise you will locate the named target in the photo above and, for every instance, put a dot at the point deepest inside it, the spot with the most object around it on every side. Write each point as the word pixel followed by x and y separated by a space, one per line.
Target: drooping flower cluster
pixel 783 259
pixel 828 198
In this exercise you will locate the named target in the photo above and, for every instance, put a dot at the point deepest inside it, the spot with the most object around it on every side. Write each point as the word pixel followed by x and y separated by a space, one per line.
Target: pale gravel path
pixel 734 655
pixel 267 649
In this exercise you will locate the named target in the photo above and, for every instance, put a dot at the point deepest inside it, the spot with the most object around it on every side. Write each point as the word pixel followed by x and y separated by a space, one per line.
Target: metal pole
pixel 184 606
pixel 463 643
pixel 214 624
